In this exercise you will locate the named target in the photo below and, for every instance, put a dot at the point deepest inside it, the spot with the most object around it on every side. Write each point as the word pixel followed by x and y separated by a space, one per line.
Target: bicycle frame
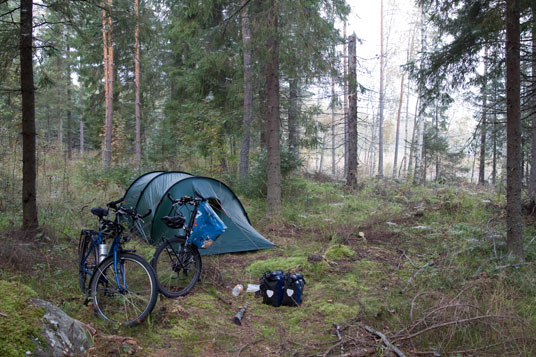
pixel 188 230
pixel 114 251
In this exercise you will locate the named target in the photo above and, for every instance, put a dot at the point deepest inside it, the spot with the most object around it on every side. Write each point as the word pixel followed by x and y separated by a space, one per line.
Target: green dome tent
pixel 150 191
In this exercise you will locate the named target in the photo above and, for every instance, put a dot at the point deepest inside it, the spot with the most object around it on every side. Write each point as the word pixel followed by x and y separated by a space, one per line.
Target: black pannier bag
pixel 271 287
pixel 293 289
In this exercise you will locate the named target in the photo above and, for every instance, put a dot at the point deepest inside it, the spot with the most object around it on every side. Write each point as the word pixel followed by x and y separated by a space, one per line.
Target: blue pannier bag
pixel 207 226
pixel 293 289
pixel 271 287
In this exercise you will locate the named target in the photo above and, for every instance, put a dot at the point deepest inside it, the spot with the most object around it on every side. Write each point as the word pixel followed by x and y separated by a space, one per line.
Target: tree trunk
pixel 108 80
pixel 322 151
pixel 59 107
pixel 137 81
pixel 419 156
pixel 29 192
pixel 532 180
pixel 372 152
pixel 420 136
pixel 345 90
pixel 81 138
pixel 409 57
pixel 437 135
pixel 69 103
pixel 351 177
pixel 243 168
pixel 514 227
pixel 272 92
pixel 397 135
pixel 483 126
pixel 412 143
pixel 382 70
pixel 293 145
pixel 494 167
pixel 332 124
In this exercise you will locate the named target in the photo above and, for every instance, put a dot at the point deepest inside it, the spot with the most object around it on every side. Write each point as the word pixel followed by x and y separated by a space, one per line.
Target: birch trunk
pixel 351 177
pixel 397 135
pixel 382 70
pixel 420 135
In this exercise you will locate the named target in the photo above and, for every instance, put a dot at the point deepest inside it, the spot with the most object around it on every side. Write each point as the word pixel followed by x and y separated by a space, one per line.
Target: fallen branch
pixel 430 263
pixel 217 296
pixel 2 314
pixel 423 319
pixel 532 240
pixel 339 336
pixel 365 352
pixel 448 323
pixel 334 346
pixel 509 266
pixel 385 340
pixel 246 345
pixel 415 298
pixel 119 339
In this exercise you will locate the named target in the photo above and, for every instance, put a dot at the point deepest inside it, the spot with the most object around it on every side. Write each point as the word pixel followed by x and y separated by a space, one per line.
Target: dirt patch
pixel 22 251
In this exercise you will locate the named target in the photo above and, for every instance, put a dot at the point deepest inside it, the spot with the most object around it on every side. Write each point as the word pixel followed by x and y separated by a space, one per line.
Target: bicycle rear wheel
pixel 177 267
pixel 130 302
pixel 86 267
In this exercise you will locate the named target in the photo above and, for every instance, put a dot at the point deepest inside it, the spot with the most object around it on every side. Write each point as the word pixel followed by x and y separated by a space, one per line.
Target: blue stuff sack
pixel 271 287
pixel 293 289
pixel 207 226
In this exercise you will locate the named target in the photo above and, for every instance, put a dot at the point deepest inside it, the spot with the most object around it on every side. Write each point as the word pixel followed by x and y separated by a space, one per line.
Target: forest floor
pixel 423 267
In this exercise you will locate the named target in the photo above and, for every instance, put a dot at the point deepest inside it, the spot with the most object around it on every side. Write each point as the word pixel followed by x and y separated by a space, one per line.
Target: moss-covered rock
pixel 20 321
pixel 339 252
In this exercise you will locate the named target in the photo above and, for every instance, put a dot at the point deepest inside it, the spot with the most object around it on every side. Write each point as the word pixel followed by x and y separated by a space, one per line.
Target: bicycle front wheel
pixel 130 301
pixel 177 267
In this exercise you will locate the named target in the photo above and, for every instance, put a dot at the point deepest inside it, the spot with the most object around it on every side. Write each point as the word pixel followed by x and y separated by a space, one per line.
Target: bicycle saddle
pixel 99 211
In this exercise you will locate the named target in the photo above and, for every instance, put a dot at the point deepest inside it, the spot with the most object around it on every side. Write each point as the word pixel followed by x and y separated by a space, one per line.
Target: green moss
pixel 203 301
pixel 22 321
pixel 180 331
pixel 337 312
pixel 340 251
pixel 185 330
pixel 286 264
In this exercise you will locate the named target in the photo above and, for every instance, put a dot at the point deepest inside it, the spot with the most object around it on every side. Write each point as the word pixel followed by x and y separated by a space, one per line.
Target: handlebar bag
pixel 207 226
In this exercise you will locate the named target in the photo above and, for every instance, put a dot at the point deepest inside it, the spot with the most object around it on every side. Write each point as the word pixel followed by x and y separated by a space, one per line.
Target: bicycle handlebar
pixel 185 199
pixel 113 204
pixel 133 213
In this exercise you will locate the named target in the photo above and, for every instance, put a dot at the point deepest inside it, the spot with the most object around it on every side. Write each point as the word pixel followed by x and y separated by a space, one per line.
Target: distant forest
pixel 228 88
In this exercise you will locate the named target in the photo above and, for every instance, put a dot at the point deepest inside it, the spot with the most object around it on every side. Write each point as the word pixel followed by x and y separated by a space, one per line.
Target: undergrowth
pixel 423 265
